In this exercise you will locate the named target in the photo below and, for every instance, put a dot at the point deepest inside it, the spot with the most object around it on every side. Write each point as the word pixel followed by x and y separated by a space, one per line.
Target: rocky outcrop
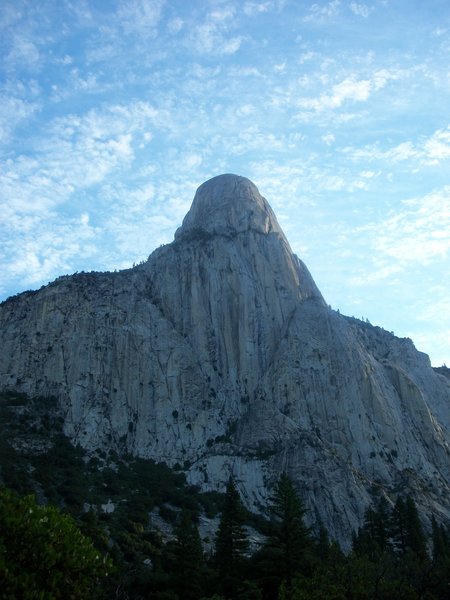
pixel 220 354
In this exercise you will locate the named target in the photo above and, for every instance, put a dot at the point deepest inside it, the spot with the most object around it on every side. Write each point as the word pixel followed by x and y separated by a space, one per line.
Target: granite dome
pixel 220 354
pixel 229 204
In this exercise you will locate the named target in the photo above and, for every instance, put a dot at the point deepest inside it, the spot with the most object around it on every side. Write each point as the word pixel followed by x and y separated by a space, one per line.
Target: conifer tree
pixel 188 559
pixel 323 544
pixel 399 526
pixel 374 537
pixel 440 541
pixel 231 542
pixel 440 575
pixel 415 536
pixel 289 543
pixel 407 530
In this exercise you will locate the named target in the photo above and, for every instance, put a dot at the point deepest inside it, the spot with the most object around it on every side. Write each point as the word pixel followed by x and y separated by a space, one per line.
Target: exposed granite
pixel 220 354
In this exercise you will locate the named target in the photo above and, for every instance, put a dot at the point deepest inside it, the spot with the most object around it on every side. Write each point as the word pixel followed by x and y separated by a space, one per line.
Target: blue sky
pixel 113 112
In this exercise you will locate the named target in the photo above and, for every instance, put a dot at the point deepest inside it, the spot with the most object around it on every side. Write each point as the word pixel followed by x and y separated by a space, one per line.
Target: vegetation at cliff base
pixel 43 553
pixel 110 526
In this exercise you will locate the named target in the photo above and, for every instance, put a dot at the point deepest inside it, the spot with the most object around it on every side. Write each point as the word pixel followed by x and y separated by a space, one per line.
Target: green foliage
pixel 35 456
pixel 288 549
pixel 231 541
pixel 389 559
pixel 187 562
pixel 440 578
pixel 43 554
pixel 398 529
pixel 415 536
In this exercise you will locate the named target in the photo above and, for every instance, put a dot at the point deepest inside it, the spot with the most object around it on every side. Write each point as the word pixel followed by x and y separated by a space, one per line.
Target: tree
pixel 287 551
pixel 440 573
pixel 399 526
pixel 231 542
pixel 415 536
pixel 323 544
pixel 43 554
pixel 407 530
pixel 374 537
pixel 188 559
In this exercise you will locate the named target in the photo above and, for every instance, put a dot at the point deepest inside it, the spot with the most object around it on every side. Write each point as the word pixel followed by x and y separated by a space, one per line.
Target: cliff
pixel 220 354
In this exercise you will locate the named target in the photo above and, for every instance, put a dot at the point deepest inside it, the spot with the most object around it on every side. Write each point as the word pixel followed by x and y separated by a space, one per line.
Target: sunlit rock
pixel 220 355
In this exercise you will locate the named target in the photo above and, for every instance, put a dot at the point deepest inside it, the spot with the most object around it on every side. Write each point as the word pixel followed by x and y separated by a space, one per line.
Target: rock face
pixel 220 354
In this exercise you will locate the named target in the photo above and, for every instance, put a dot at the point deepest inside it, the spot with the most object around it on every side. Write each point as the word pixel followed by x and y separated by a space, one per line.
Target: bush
pixel 43 554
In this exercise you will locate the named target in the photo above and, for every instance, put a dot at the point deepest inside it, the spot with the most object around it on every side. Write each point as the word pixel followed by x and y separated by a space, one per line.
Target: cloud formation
pixel 111 114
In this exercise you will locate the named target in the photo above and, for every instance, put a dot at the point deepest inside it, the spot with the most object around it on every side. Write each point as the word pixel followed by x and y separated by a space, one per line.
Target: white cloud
pixel 437 147
pixel 52 249
pixel 403 151
pixel 24 52
pixel 430 150
pixel 329 139
pixel 64 60
pixel 349 89
pixel 13 112
pixel 175 25
pixel 381 77
pixel 190 161
pixel 79 152
pixel 352 89
pixel 361 10
pixel 306 56
pixel 222 13
pixel 140 16
pixel 138 102
pixel 381 273
pixel 101 52
pixel 279 68
pixel 209 38
pixel 231 46
pixel 419 233
pixel 320 13
pixel 212 36
pixel 246 109
pixel 255 8
pixel 436 341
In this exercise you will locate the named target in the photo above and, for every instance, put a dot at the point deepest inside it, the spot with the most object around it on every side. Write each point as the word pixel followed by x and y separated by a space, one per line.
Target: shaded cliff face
pixel 220 354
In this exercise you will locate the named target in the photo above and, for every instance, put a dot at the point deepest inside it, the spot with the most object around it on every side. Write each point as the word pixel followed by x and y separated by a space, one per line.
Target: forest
pixel 56 540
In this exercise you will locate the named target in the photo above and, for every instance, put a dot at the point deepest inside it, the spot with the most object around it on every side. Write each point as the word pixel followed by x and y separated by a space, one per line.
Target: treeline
pixel 44 550
pixel 390 558
pixel 44 555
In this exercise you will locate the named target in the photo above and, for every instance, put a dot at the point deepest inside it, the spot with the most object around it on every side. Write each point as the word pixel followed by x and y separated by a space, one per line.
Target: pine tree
pixel 188 559
pixel 440 540
pixel 289 543
pixel 415 536
pixel 323 544
pixel 440 574
pixel 374 537
pixel 407 530
pixel 399 526
pixel 231 542
pixel 363 543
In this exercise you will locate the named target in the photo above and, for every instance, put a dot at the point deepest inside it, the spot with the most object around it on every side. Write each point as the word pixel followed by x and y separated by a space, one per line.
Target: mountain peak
pixel 229 204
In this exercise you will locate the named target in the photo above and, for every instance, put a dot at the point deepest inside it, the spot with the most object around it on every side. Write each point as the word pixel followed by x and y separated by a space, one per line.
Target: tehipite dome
pixel 229 204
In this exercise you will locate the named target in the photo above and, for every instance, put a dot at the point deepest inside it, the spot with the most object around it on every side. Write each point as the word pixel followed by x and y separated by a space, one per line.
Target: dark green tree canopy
pixel 231 542
pixel 188 558
pixel 43 554
pixel 287 551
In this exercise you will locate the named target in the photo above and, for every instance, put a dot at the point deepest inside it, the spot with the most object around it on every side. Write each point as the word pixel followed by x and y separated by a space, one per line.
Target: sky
pixel 113 112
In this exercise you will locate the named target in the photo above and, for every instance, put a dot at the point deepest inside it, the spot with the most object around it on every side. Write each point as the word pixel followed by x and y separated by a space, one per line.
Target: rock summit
pixel 220 355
